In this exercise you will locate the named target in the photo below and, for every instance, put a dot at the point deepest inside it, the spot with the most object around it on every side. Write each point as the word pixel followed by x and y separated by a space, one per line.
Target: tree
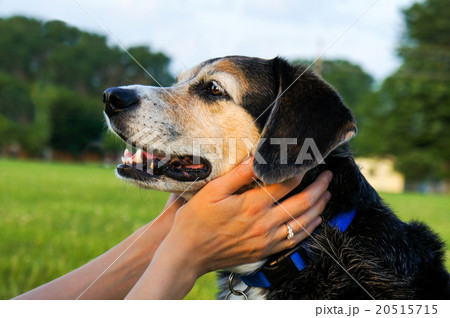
pixel 349 79
pixel 15 103
pixel 155 63
pixel 21 46
pixel 23 117
pixel 410 116
pixel 52 77
pixel 75 121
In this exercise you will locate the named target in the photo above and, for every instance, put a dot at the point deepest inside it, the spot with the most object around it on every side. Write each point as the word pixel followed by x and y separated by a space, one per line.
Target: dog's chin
pixel 162 182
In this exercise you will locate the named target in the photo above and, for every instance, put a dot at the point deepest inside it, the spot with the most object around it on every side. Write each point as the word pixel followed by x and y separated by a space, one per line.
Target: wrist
pixel 184 252
pixel 156 231
pixel 170 275
pixel 141 246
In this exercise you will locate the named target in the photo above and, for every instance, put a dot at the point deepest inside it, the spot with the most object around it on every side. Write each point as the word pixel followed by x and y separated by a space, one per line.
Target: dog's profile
pixel 223 109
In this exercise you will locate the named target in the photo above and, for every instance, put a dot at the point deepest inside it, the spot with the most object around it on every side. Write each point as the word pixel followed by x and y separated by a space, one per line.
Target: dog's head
pixel 221 111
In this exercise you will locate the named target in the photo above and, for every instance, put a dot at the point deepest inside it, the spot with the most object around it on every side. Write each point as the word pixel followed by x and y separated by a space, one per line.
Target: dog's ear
pixel 307 121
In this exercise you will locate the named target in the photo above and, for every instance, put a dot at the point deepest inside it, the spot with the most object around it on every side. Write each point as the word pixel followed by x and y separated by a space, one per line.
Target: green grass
pixel 55 217
pixel 434 210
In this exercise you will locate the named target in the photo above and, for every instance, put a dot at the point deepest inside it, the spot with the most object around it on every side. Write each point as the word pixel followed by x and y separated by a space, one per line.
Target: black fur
pixel 305 107
pixel 262 86
pixel 390 259
pixel 385 257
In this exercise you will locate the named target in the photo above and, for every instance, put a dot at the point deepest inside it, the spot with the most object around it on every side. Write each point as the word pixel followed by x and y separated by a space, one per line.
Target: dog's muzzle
pixel 118 99
pixel 145 166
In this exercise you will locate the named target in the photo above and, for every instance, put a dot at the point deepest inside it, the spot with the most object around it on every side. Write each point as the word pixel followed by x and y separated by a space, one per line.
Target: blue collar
pixel 293 259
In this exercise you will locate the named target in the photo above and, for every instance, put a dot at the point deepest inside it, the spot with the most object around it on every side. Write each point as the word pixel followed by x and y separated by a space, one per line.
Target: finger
pixel 299 203
pixel 284 243
pixel 229 183
pixel 275 192
pixel 301 223
pixel 299 213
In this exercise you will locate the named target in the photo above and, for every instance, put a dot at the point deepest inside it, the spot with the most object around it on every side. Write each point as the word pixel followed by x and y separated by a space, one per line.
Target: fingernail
pixel 327 195
pixel 247 160
pixel 329 175
pixel 318 220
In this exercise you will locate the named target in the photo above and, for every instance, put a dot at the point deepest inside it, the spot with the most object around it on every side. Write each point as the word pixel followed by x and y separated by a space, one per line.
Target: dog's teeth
pixel 138 156
pixel 129 160
pixel 127 153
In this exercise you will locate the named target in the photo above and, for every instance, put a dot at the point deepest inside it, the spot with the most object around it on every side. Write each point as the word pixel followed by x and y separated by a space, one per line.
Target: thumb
pixel 240 176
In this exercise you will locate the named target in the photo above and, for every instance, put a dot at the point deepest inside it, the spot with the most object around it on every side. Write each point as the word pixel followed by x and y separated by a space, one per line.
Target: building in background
pixel 381 175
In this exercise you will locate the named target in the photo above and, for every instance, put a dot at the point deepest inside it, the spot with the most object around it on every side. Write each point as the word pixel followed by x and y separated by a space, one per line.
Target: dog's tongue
pixel 185 162
pixel 199 166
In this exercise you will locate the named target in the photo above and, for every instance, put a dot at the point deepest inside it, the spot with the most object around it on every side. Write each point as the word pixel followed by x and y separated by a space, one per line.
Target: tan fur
pixel 224 129
pixel 231 122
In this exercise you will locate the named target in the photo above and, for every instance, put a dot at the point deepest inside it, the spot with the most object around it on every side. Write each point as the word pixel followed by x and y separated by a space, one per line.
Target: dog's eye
pixel 215 89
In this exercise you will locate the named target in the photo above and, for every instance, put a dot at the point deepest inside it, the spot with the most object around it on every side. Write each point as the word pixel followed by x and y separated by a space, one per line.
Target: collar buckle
pixel 235 292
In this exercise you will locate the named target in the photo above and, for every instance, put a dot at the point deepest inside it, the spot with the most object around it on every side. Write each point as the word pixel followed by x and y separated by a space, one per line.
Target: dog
pixel 224 109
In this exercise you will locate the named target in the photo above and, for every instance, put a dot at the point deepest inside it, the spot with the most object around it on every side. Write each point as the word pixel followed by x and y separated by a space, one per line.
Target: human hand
pixel 219 229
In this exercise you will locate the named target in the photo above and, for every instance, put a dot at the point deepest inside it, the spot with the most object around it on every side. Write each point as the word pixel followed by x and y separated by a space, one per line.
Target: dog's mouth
pixel 143 166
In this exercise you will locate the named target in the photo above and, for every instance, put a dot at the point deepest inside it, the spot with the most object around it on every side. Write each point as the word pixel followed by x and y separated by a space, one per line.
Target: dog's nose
pixel 119 99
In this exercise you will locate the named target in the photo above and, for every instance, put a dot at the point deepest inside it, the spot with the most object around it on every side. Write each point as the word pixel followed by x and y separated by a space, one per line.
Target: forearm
pixel 171 274
pixel 111 275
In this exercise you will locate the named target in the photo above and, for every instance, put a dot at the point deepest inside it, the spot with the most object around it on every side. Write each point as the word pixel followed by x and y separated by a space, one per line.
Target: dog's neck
pixel 349 188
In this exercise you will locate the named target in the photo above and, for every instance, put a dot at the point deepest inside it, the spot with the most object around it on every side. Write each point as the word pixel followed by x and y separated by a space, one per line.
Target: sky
pixel 365 32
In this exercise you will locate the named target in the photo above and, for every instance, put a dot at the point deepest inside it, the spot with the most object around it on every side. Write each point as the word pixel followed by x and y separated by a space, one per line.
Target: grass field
pixel 54 217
